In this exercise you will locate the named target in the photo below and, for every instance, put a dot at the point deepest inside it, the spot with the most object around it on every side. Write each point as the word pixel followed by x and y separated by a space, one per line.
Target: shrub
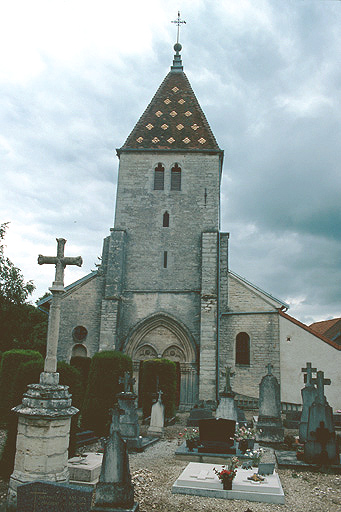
pixel 71 376
pixel 105 370
pixel 165 370
pixel 10 363
pixel 83 365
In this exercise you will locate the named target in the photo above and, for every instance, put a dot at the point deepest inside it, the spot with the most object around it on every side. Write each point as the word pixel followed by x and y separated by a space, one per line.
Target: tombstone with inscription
pixel 53 497
pixel 269 425
pixel 227 408
pixel 115 491
pixel 308 393
pixel 45 413
pixel 321 447
pixel 129 423
pixel 217 436
pixel 157 419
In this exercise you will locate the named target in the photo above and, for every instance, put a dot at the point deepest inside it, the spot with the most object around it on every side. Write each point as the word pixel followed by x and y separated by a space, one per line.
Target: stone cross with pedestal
pixel 321 446
pixel 129 422
pixel 308 396
pixel 45 413
pixel 269 425
pixel 227 408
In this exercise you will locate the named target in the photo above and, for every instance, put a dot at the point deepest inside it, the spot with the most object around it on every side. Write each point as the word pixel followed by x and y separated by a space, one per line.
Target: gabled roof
pixel 44 304
pixel 308 329
pixel 324 326
pixel 259 290
pixel 173 120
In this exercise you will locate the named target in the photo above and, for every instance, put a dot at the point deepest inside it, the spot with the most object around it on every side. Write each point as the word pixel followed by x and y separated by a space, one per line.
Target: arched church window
pixel 159 177
pixel 79 350
pixel 243 348
pixel 176 177
pixel 79 334
pixel 165 223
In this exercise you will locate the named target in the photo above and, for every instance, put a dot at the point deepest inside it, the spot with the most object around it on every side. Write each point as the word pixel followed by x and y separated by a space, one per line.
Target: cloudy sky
pixel 75 76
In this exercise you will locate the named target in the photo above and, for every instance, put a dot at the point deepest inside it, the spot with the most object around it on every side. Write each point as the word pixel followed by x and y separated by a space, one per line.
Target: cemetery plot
pixel 200 480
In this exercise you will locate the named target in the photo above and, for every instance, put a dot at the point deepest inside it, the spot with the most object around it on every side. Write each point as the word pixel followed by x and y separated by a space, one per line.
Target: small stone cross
pixel 127 382
pixel 269 368
pixel 308 374
pixel 320 381
pixel 228 374
pixel 60 261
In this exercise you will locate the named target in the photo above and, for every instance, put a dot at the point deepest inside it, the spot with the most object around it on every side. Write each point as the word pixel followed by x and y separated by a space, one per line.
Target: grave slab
pixel 183 453
pixel 85 470
pixel 288 459
pixel 200 480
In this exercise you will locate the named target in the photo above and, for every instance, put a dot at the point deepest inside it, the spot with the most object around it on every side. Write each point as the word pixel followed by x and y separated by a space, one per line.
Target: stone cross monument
pixel 129 421
pixel 227 408
pixel 49 376
pixel 308 396
pixel 44 416
pixel 269 426
pixel 128 382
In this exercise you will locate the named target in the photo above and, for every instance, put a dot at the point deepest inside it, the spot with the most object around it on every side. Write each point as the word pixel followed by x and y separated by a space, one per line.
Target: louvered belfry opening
pixel 159 177
pixel 176 178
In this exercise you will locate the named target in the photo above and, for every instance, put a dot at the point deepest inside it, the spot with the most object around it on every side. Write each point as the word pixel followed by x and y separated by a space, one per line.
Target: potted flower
pixel 255 456
pixel 191 436
pixel 246 438
pixel 227 474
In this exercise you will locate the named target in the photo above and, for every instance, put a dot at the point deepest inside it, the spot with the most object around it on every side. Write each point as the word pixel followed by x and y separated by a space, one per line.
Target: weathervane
pixel 178 22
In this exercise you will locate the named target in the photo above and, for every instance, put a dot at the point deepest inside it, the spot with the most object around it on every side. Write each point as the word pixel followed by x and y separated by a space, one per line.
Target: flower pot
pixel 227 485
pixel 190 443
pixel 246 444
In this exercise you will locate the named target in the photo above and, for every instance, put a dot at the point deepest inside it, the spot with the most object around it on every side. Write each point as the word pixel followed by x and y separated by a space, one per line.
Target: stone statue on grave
pixel 269 426
pixel 114 491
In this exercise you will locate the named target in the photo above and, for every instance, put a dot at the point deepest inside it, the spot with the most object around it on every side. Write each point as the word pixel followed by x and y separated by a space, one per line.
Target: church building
pixel 164 288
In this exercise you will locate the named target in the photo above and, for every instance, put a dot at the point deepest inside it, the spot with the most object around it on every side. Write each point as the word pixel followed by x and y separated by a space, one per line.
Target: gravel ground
pixel 155 470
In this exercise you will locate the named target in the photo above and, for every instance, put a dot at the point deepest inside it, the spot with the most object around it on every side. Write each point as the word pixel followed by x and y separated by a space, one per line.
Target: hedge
pixel 165 370
pixel 83 365
pixel 105 370
pixel 10 363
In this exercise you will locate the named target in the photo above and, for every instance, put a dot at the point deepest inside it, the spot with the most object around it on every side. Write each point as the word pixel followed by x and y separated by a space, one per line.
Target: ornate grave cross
pixel 178 22
pixel 308 374
pixel 320 381
pixel 228 374
pixel 269 367
pixel 57 289
pixel 128 381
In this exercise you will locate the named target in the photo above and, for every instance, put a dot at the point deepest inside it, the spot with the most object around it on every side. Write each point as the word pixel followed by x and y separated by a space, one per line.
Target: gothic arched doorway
pixel 163 336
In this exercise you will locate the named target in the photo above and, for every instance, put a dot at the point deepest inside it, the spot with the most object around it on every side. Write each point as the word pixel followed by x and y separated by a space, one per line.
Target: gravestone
pixel 269 425
pixel 308 396
pixel 157 419
pixel 227 408
pixel 129 422
pixel 199 412
pixel 45 413
pixel 53 497
pixel 115 491
pixel 321 447
pixel 217 436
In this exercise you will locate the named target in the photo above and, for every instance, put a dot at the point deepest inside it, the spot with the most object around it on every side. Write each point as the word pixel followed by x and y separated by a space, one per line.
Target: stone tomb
pixel 85 470
pixel 200 480
pixel 53 497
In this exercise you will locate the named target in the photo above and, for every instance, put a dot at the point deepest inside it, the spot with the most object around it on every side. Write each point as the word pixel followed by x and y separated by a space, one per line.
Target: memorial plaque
pixel 53 497
pixel 266 468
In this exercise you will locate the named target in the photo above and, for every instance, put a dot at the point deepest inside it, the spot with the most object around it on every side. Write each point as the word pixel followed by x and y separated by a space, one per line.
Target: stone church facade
pixel 163 288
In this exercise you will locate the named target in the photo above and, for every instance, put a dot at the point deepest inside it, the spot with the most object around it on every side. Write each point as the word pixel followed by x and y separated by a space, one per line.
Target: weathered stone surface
pixel 269 424
pixel 53 497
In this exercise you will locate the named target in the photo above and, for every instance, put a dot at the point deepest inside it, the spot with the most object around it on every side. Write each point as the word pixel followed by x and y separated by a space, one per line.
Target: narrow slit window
pixel 165 223
pixel 159 177
pixel 176 177
pixel 164 259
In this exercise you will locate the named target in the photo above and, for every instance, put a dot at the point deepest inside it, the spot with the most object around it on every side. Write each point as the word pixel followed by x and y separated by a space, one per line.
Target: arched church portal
pixel 163 336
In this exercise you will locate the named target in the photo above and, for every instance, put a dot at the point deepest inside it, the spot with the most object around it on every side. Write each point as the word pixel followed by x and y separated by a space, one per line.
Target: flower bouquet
pixel 246 437
pixel 255 456
pixel 191 436
pixel 227 473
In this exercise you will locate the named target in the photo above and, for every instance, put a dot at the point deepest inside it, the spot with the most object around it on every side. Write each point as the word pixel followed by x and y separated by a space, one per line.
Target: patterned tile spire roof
pixel 173 120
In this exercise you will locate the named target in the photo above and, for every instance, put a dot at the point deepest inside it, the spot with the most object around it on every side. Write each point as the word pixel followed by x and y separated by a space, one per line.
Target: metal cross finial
pixel 228 374
pixel 178 23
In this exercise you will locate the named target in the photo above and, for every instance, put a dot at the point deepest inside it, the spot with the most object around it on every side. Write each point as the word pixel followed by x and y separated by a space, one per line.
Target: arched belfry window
pixel 176 177
pixel 159 177
pixel 243 348
pixel 165 222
